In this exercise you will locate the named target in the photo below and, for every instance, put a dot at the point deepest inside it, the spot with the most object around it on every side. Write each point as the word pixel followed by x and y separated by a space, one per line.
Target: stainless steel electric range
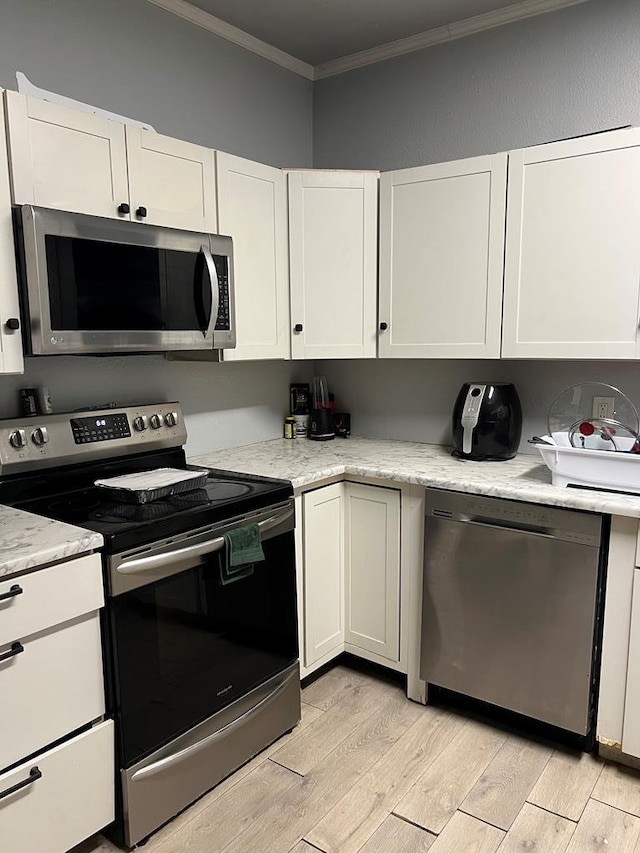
pixel 202 673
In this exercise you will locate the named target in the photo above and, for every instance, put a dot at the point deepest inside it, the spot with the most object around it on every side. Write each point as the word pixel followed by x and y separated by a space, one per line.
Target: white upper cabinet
pixel 572 275
pixel 72 160
pixel 252 209
pixel 66 159
pixel 171 182
pixel 441 259
pixel 332 249
pixel 10 338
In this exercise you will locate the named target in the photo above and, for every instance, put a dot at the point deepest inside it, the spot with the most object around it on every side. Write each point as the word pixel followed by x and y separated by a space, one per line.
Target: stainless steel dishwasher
pixel 510 602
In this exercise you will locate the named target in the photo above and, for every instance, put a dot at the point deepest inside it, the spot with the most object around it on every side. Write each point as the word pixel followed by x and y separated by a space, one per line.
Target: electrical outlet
pixel 603 407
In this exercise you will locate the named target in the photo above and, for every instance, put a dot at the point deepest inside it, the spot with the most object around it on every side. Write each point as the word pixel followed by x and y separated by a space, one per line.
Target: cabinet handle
pixel 13 324
pixel 16 589
pixel 124 208
pixel 297 327
pixel 384 327
pixel 141 212
pixel 16 649
pixel 34 775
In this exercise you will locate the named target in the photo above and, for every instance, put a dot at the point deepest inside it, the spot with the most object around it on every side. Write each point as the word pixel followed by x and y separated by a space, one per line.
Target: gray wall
pixel 135 59
pixel 413 400
pixel 561 74
pixel 570 72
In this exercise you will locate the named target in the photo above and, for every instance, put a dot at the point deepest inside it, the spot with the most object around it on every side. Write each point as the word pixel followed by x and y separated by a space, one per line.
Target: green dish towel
pixel 242 549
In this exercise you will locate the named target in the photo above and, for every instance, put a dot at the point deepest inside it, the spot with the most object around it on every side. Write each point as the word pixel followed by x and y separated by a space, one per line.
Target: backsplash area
pixel 224 404
pixel 413 399
pixel 230 404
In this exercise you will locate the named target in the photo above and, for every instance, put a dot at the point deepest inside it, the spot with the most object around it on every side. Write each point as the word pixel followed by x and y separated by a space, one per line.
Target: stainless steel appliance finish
pixel 35 226
pixel 509 605
pixel 141 566
pixel 22 448
pixel 163 783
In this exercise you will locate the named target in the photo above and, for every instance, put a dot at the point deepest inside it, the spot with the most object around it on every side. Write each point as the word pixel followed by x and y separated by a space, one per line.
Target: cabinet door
pixel 323 571
pixel 171 182
pixel 66 159
pixel 441 259
pixel 332 249
pixel 252 209
pixel 10 339
pixel 372 600
pixel 631 726
pixel 572 254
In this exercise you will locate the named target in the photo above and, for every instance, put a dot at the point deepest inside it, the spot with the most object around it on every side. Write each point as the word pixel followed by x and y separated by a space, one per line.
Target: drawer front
pixel 40 600
pixel 50 688
pixel 72 798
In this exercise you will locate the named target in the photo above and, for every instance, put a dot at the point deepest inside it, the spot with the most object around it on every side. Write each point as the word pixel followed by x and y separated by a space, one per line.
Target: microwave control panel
pixel 223 320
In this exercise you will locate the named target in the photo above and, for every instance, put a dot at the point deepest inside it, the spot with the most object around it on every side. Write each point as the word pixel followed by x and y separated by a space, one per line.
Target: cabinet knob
pixel 297 327
pixel 141 212
pixel 384 327
pixel 124 208
pixel 13 323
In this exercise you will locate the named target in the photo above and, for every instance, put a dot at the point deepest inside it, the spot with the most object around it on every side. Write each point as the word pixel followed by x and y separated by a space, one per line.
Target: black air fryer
pixel 487 421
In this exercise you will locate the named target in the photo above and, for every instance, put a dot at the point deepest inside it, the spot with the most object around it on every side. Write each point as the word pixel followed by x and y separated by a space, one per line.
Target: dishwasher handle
pixel 527 529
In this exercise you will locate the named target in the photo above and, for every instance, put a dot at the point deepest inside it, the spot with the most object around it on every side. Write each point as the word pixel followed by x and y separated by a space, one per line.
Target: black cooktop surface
pixel 70 496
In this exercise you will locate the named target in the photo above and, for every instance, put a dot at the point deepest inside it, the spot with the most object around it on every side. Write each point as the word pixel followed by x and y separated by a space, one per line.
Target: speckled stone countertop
pixel 28 540
pixel 305 462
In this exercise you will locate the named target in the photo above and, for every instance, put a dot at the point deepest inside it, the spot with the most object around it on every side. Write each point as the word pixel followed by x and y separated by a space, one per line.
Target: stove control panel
pixel 44 441
pixel 101 428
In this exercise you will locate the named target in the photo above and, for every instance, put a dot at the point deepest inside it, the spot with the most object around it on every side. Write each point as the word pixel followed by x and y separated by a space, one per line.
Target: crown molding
pixel 235 35
pixel 391 50
pixel 439 35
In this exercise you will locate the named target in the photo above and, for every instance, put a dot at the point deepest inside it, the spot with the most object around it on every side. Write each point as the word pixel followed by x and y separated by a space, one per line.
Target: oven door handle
pixel 187 752
pixel 210 546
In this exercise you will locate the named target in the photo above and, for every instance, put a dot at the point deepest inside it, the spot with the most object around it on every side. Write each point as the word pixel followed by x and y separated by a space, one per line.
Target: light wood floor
pixel 367 770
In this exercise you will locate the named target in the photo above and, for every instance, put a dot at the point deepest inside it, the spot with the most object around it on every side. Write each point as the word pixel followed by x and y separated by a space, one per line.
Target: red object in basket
pixel 586 428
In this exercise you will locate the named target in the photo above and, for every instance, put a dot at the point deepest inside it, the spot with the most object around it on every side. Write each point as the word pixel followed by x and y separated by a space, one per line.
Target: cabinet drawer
pixel 51 688
pixel 49 597
pixel 71 800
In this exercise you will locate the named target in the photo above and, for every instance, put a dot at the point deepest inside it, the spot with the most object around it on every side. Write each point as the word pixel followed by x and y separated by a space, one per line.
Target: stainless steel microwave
pixel 96 285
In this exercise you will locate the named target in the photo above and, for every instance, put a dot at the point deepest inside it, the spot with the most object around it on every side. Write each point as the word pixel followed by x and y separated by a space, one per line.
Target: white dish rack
pixel 595 469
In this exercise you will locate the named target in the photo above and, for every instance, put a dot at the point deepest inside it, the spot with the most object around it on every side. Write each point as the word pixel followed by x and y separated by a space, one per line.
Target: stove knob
pixel 156 421
pixel 40 436
pixel 140 423
pixel 171 419
pixel 18 439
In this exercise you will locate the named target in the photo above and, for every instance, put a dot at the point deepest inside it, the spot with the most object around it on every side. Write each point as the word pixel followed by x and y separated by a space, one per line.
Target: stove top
pixel 51 469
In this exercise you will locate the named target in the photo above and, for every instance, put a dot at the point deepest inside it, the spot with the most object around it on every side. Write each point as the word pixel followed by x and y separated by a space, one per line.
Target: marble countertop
pixel 28 541
pixel 304 463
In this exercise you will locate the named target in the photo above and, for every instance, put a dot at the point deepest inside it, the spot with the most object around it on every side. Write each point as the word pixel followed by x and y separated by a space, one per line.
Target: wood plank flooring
pixel 368 771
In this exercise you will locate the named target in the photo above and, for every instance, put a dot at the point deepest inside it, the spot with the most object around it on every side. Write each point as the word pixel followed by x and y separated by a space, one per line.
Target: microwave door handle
pixel 215 293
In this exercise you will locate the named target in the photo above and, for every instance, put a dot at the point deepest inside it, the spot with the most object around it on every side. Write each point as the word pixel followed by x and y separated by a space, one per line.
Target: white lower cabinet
pixel 372 599
pixel 349 552
pixel 69 795
pixel 631 727
pixel 323 536
pixel 52 686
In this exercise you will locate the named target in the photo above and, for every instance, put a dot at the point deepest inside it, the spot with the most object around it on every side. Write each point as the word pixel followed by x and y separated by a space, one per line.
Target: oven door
pixel 97 285
pixel 186 641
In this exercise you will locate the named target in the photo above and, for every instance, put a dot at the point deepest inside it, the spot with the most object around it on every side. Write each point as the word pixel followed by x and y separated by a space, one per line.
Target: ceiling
pixel 318 31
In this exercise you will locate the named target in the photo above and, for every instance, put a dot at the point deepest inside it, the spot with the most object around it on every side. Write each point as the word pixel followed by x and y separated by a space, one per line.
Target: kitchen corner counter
pixel 306 463
pixel 28 541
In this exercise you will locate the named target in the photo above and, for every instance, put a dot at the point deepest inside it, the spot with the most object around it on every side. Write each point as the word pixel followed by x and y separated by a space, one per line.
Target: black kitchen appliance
pixel 487 421
pixel 202 671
